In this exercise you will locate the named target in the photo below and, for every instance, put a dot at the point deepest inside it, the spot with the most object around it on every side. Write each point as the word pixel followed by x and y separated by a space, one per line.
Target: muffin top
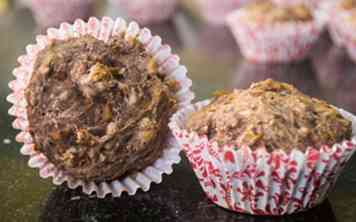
pixel 270 114
pixel 267 11
pixel 99 110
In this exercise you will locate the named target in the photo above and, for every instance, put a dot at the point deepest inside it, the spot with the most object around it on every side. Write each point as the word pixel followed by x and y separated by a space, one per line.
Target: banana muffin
pixel 98 110
pixel 270 114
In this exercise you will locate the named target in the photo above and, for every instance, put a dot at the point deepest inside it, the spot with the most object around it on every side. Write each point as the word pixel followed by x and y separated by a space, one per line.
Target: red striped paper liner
pixel 258 182
pixel 103 29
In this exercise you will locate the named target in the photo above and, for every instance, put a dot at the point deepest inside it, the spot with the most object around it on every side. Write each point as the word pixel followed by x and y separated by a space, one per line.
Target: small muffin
pixel 270 114
pixel 98 110
pixel 265 150
pixel 268 12
pixel 269 32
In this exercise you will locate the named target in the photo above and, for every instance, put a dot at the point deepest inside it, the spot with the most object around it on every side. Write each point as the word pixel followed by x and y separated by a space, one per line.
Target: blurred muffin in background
pixel 299 74
pixel 215 12
pixel 53 13
pixel 269 32
pixel 147 11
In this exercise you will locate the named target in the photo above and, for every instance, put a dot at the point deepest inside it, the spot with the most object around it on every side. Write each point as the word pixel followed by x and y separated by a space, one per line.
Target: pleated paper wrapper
pixel 258 182
pixel 276 42
pixel 104 29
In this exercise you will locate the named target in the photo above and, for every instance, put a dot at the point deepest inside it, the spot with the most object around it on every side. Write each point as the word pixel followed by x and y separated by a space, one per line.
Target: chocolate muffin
pixel 267 11
pixel 99 110
pixel 270 114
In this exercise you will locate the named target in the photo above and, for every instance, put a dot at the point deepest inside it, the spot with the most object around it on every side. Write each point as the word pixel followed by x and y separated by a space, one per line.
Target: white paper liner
pixel 258 182
pixel 168 63
pixel 147 11
pixel 278 42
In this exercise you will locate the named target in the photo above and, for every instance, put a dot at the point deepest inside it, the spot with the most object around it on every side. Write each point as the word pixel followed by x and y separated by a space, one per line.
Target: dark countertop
pixel 214 62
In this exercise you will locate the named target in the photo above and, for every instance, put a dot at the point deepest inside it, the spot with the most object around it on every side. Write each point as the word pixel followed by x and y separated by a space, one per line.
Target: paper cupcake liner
pixel 147 11
pixel 279 42
pixel 215 12
pixel 167 62
pixel 258 182
pixel 54 12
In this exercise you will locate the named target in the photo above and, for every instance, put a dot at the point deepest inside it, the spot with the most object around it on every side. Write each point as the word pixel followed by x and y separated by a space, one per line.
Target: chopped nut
pixel 99 72
pixel 132 97
pixel 68 156
pixel 152 66
pixel 55 135
pixel 83 136
pixel 102 157
pixel 111 128
pixel 64 95
pixel 251 137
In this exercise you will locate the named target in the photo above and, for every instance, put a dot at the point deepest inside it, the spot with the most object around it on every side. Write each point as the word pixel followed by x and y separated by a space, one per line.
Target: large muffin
pixel 270 114
pixel 99 110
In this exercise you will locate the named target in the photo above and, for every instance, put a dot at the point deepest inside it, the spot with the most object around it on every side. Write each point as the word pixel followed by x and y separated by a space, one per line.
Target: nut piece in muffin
pixel 269 12
pixel 99 110
pixel 270 114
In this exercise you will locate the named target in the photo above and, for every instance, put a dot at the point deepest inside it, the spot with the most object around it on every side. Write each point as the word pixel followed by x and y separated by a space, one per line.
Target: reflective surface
pixel 214 63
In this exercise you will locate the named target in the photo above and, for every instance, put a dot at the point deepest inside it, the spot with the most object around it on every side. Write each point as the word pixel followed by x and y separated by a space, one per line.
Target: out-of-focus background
pixel 208 49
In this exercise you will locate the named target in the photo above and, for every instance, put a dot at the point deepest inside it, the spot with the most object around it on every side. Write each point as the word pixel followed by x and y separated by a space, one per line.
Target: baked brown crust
pixel 267 11
pixel 99 110
pixel 270 114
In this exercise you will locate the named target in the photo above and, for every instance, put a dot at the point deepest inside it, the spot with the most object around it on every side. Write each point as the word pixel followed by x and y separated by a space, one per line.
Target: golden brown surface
pixel 270 114
pixel 99 110
pixel 266 11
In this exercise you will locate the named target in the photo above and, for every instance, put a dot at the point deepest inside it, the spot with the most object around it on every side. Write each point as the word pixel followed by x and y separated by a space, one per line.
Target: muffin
pixel 265 150
pixel 95 106
pixel 54 12
pixel 147 11
pixel 269 32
